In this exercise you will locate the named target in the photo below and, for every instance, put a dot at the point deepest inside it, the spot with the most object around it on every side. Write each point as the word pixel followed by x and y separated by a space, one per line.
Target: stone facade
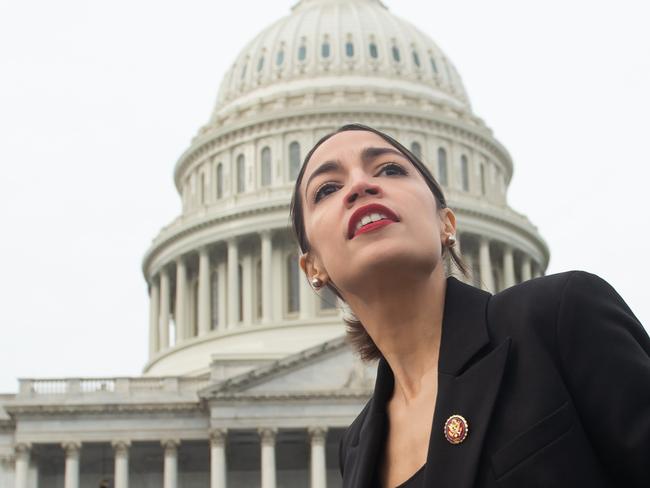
pixel 249 381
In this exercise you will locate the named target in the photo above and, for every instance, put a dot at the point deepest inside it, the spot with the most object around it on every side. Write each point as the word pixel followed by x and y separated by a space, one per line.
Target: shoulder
pixel 534 306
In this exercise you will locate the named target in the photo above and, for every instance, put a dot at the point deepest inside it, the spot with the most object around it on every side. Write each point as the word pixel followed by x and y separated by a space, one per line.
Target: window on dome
pixel 293 284
pixel 416 149
pixel 202 190
pixel 442 167
pixel 241 174
pixel 219 180
pixel 464 170
pixel 349 49
pixel 396 55
pixel 483 179
pixel 294 160
pixel 266 166
pixel 416 59
pixel 260 64
pixel 214 300
pixel 373 50
pixel 302 53
pixel 279 58
pixel 325 50
pixel 434 68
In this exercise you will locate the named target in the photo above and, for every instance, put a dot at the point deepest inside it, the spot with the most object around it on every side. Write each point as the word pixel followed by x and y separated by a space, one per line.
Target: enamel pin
pixel 456 429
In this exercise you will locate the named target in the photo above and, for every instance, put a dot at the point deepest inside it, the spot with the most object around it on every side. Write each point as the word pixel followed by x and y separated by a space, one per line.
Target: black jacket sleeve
pixel 605 357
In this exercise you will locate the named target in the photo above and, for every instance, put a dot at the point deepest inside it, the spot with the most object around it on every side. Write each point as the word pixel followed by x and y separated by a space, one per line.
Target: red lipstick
pixel 367 210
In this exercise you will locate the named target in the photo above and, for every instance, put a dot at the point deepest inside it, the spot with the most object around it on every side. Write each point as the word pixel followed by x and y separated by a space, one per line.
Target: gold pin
pixel 456 429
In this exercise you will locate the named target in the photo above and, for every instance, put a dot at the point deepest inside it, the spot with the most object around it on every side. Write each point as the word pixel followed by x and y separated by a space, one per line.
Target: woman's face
pixel 368 213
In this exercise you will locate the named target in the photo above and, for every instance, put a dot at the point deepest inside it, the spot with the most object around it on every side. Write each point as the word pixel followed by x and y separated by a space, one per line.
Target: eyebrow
pixel 368 154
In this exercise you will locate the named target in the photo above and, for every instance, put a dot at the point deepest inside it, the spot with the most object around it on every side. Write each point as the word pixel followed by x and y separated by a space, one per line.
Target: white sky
pixel 98 100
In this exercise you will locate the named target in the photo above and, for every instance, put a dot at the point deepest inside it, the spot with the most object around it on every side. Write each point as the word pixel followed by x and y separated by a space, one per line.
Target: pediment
pixel 328 368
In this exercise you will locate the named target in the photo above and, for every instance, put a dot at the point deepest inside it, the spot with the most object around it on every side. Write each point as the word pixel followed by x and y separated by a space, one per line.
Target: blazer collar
pixel 465 387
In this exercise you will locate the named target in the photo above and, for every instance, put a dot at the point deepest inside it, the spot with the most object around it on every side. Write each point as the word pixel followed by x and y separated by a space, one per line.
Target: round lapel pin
pixel 456 429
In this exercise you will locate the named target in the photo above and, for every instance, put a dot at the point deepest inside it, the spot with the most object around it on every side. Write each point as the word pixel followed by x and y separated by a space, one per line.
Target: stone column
pixel 223 295
pixel 154 319
pixel 170 476
pixel 164 309
pixel 21 473
pixel 218 458
pixel 247 289
pixel 233 283
pixel 318 466
pixel 267 437
pixel 526 272
pixel 121 451
pixel 267 252
pixel 72 454
pixel 180 312
pixel 485 264
pixel 508 267
pixel 204 291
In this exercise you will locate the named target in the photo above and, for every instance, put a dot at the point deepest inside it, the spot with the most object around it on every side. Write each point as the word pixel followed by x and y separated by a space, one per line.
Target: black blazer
pixel 553 377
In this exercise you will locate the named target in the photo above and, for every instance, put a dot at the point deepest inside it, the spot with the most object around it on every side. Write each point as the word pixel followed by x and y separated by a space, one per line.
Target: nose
pixel 362 187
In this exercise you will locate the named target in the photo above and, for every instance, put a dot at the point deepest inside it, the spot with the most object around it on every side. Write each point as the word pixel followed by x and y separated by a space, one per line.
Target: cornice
pixel 351 394
pixel 107 409
pixel 258 375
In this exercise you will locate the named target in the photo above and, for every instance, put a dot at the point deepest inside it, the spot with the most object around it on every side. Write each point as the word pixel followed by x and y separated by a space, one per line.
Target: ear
pixel 312 267
pixel 448 221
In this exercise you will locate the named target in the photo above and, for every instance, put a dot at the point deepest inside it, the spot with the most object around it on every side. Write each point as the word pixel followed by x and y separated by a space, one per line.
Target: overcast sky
pixel 99 99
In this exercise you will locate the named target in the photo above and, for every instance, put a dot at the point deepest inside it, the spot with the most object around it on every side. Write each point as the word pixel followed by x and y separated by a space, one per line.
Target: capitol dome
pixel 226 292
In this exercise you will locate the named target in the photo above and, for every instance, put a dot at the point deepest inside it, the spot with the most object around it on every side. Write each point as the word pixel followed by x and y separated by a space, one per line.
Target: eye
pixel 392 169
pixel 324 190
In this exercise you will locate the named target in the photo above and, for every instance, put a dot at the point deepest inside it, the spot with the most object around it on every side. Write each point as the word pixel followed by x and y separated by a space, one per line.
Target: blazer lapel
pixel 469 377
pixel 468 385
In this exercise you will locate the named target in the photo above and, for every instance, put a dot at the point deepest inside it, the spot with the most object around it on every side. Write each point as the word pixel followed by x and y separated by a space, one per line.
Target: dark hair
pixel 356 333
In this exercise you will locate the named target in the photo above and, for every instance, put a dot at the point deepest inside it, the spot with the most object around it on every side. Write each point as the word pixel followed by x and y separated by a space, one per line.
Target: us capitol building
pixel 249 381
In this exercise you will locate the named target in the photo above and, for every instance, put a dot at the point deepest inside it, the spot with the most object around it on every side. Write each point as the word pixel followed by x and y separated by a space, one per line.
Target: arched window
pixel 434 68
pixel 325 49
pixel 442 166
pixel 241 174
pixel 396 55
pixel 219 180
pixel 349 49
pixel 373 50
pixel 416 59
pixel 214 300
pixel 482 179
pixel 416 149
pixel 266 166
pixel 279 58
pixel 302 53
pixel 260 64
pixel 293 292
pixel 294 160
pixel 464 171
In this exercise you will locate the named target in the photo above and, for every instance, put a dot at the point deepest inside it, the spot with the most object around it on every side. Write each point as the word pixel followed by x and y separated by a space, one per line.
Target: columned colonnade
pixel 174 295
pixel 169 453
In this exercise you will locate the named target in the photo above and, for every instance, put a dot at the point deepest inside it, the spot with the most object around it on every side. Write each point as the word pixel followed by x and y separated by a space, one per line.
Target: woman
pixel 545 384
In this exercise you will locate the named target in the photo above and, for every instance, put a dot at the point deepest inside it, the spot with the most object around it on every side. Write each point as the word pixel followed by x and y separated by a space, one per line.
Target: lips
pixel 367 211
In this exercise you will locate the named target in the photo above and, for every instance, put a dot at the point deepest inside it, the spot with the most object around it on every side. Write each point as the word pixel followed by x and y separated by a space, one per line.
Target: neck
pixel 404 319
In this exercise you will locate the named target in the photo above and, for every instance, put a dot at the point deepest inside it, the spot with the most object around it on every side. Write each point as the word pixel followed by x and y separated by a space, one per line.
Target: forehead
pixel 345 147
